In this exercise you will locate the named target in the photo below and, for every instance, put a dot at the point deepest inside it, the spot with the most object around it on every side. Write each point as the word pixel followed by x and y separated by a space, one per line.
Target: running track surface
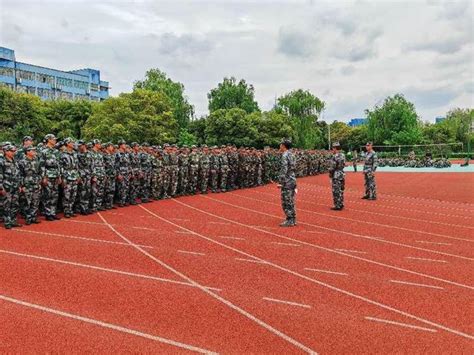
pixel 215 273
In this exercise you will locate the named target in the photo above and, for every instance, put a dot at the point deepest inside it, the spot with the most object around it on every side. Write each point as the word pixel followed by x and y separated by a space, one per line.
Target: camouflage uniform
pixel 174 169
pixel 122 166
pixel 146 164
pixel 98 181
pixel 287 180
pixel 157 175
pixel 10 183
pixel 193 171
pixel 337 175
pixel 223 171
pixel 166 174
pixel 370 165
pixel 234 170
pixel 183 180
pixel 84 191
pixel 31 175
pixel 51 170
pixel 214 172
pixel 135 177
pixel 70 177
pixel 204 170
pixel 110 172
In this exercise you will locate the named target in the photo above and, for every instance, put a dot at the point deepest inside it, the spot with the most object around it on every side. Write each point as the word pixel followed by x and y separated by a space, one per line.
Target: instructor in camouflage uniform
pixel 370 165
pixel 287 183
pixel 337 176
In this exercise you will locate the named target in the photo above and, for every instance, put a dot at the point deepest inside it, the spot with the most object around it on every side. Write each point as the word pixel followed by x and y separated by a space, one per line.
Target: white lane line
pixel 144 228
pixel 435 243
pixel 87 266
pixel 416 284
pixel 327 271
pixel 223 223
pixel 190 252
pixel 105 325
pixel 317 246
pixel 180 219
pixel 251 260
pixel 183 232
pixel 233 238
pixel 425 259
pixel 401 324
pixel 78 238
pixel 288 244
pixel 324 284
pixel 287 302
pixel 352 251
pixel 212 294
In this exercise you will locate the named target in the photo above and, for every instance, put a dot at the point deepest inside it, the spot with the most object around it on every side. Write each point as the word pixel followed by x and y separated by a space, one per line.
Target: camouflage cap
pixel 145 144
pixel 336 145
pixel 81 142
pixel 121 141
pixel 27 138
pixel 95 141
pixel 49 136
pixel 27 149
pixel 68 140
pixel 133 144
pixel 166 145
pixel 9 148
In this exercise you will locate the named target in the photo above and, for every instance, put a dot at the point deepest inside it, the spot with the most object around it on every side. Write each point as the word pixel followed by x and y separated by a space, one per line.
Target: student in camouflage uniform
pixel 136 173
pixel 31 180
pixel 122 166
pixel 70 177
pixel 174 171
pixel 183 177
pixel 165 179
pixel 10 186
pixel 146 165
pixel 51 177
pixel 234 168
pixel 84 190
pixel 193 170
pixel 223 169
pixel 287 183
pixel 98 177
pixel 337 176
pixel 370 165
pixel 110 176
pixel 214 167
pixel 204 169
pixel 157 174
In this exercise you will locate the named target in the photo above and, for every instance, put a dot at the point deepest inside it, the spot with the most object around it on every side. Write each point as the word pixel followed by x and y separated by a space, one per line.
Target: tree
pixel 66 118
pixel 358 136
pixel 461 122
pixel 272 128
pixel 138 116
pixel 340 132
pixel 395 122
pixel 198 129
pixel 304 109
pixel 230 94
pixel 156 80
pixel 232 126
pixel 186 138
pixel 20 115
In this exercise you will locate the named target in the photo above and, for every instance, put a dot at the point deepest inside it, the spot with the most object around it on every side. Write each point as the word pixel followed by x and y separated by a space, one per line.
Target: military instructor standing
pixel 370 165
pixel 287 183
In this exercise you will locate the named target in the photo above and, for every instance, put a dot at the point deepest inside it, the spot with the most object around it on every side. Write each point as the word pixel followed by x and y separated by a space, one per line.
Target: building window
pixel 45 93
pixel 6 71
pixel 25 75
pixel 31 90
pixel 94 87
pixel 65 95
pixel 84 85
pixel 64 82
pixel 46 79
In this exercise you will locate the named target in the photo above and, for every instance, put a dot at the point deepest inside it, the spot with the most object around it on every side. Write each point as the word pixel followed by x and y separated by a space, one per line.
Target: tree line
pixel 158 111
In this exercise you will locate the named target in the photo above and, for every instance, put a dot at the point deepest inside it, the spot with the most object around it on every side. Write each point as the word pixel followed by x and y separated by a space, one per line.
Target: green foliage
pixel 186 138
pixel 230 94
pixel 304 109
pixel 66 118
pixel 198 129
pixel 272 128
pixel 340 132
pixel 358 136
pixel 395 122
pixel 156 80
pixel 139 116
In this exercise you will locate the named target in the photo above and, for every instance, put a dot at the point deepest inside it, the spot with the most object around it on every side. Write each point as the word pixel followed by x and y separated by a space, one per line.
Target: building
pixel 440 119
pixel 50 83
pixel 357 122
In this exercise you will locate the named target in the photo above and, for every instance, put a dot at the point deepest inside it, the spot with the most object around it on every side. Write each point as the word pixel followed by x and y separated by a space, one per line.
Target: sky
pixel 350 54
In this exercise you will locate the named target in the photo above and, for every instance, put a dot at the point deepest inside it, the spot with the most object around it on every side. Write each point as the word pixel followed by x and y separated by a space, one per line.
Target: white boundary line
pixel 251 261
pixel 327 271
pixel 78 238
pixel 87 266
pixel 352 251
pixel 282 268
pixel 286 302
pixel 190 252
pixel 400 324
pixel 435 243
pixel 425 259
pixel 104 325
pixel 236 308
pixel 316 246
pixel 356 235
pixel 288 244
pixel 233 238
pixel 416 284
pixel 369 223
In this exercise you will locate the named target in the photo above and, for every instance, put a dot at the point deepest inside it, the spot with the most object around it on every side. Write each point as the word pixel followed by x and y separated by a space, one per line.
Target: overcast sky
pixel 351 54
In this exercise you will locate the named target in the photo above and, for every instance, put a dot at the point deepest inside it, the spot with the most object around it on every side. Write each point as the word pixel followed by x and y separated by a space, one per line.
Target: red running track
pixel 216 274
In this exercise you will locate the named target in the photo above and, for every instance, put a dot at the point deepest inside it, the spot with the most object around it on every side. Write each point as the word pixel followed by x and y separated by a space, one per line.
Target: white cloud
pixel 349 53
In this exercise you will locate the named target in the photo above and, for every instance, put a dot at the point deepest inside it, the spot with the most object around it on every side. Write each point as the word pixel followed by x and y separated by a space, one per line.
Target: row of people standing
pixel 79 177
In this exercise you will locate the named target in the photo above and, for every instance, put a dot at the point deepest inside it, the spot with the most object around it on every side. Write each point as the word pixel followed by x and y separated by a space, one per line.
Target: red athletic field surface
pixel 215 273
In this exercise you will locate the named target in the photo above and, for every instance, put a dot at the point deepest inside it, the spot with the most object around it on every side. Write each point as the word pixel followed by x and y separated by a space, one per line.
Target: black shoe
pixel 67 215
pixel 288 223
pixel 50 218
pixel 372 198
pixel 8 227
pixel 56 218
pixel 121 205
pixel 336 208
pixel 35 221
pixel 133 203
pixel 101 209
pixel 365 197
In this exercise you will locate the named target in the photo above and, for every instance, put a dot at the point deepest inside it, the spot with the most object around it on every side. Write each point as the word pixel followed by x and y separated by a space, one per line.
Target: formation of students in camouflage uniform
pixel 77 177
pixel 413 162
